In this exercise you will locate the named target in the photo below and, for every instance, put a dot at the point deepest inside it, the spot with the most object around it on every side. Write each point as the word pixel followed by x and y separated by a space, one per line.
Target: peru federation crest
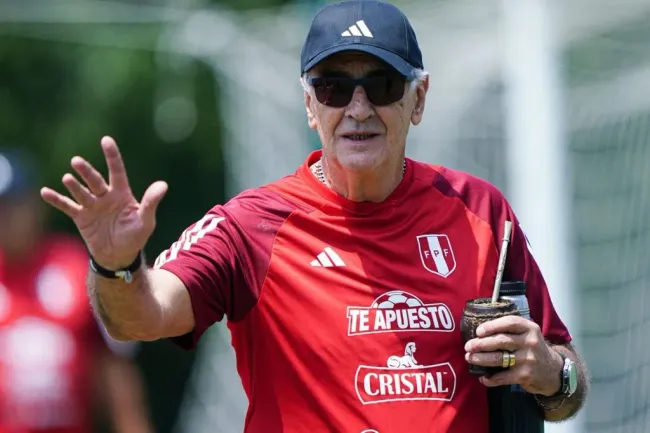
pixel 436 254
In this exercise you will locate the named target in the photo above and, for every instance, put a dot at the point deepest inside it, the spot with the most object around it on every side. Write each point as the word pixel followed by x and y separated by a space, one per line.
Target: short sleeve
pixel 206 259
pixel 521 266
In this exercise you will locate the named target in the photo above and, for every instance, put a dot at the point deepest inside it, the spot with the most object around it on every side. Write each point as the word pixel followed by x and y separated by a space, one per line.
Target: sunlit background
pixel 549 100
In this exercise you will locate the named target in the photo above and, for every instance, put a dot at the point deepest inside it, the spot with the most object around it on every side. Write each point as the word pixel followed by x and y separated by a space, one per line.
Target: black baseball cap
pixel 374 27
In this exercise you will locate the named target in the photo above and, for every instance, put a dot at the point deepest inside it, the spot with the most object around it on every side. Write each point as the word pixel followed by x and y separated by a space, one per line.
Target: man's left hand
pixel 537 366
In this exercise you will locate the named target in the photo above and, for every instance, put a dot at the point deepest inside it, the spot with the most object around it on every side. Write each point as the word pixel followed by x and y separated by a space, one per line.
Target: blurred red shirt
pixel 48 340
pixel 345 315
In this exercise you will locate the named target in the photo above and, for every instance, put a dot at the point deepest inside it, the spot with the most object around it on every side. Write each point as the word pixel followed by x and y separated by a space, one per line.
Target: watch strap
pixel 126 273
pixel 564 382
pixel 554 402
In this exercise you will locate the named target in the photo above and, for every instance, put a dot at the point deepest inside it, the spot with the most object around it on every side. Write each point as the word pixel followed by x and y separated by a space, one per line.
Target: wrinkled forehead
pixel 350 63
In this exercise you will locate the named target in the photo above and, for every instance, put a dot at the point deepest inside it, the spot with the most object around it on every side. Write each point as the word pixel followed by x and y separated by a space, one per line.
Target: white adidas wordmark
pixel 328 259
pixel 358 29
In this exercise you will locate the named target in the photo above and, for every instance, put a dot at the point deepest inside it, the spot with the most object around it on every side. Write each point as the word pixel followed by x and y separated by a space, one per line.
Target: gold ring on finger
pixel 512 360
pixel 505 359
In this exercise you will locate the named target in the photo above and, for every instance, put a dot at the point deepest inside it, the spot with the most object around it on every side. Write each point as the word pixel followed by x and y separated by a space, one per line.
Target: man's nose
pixel 360 108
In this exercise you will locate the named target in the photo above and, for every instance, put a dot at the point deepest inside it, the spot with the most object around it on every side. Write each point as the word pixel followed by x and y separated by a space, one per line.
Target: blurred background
pixel 548 100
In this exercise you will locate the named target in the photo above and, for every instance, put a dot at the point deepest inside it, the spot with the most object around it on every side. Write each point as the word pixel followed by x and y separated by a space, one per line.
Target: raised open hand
pixel 113 224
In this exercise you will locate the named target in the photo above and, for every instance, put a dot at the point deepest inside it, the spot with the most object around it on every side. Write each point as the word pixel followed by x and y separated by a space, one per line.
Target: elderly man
pixel 343 283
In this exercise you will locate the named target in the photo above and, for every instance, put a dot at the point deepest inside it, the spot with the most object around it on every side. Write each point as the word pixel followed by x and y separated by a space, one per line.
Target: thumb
pixel 150 201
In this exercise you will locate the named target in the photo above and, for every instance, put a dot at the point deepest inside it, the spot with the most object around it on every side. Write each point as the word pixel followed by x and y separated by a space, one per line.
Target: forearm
pixel 129 311
pixel 559 409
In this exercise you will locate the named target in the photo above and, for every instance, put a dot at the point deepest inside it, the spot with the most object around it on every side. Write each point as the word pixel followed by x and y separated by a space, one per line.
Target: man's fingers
pixel 61 202
pixel 505 325
pixel 491 359
pixel 91 177
pixel 509 342
pixel 508 377
pixel 116 171
pixel 79 192
pixel 150 201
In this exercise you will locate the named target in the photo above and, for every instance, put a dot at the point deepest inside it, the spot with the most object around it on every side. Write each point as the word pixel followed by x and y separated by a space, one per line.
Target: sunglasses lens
pixel 337 92
pixel 384 90
pixel 333 92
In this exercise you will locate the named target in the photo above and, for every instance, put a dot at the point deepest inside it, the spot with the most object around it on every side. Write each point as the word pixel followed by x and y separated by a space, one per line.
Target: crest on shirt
pixel 436 254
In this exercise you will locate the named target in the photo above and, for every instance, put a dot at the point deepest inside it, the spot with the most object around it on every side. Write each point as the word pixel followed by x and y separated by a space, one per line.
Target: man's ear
pixel 420 98
pixel 311 117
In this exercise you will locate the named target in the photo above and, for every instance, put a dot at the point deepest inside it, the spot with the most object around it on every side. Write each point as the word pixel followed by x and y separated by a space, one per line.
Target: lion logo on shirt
pixel 403 379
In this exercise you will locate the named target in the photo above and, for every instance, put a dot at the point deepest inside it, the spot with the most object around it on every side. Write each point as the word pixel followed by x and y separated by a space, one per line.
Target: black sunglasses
pixel 337 91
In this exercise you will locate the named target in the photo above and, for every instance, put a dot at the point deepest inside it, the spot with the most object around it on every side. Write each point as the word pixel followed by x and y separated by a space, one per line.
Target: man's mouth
pixel 360 137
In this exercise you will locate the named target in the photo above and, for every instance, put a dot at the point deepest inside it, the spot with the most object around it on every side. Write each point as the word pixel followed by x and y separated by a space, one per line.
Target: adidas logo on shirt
pixel 358 29
pixel 327 259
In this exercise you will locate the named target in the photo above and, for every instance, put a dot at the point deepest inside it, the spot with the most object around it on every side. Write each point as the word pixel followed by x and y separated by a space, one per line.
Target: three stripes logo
pixel 327 259
pixel 189 238
pixel 358 29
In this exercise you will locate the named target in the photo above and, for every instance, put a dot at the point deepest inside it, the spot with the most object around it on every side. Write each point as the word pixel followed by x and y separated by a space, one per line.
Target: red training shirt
pixel 344 315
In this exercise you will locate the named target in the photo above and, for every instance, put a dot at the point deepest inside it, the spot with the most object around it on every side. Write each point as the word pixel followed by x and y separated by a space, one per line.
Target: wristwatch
pixel 569 377
pixel 569 384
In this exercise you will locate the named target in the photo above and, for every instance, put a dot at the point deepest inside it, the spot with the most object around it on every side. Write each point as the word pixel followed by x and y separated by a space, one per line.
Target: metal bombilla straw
pixel 502 260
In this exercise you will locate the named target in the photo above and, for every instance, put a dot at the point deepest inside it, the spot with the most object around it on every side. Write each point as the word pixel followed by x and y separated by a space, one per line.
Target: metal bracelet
pixel 547 408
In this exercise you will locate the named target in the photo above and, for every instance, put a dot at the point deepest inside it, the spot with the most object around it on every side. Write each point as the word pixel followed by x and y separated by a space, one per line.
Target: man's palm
pixel 113 224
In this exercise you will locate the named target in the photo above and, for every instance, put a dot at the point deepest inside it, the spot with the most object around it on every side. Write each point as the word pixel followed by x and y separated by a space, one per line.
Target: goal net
pixel 605 63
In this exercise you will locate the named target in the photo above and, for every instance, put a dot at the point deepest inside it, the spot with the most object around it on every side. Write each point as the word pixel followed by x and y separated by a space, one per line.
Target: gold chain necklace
pixel 318 168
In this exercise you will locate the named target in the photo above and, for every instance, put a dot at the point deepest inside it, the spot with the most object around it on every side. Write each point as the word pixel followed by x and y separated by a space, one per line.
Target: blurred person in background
pixel 344 282
pixel 57 364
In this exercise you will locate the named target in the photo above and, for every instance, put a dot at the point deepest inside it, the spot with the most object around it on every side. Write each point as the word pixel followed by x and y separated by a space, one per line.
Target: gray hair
pixel 420 76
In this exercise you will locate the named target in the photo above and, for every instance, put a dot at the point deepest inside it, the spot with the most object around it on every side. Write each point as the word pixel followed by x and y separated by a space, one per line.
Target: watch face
pixel 573 377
